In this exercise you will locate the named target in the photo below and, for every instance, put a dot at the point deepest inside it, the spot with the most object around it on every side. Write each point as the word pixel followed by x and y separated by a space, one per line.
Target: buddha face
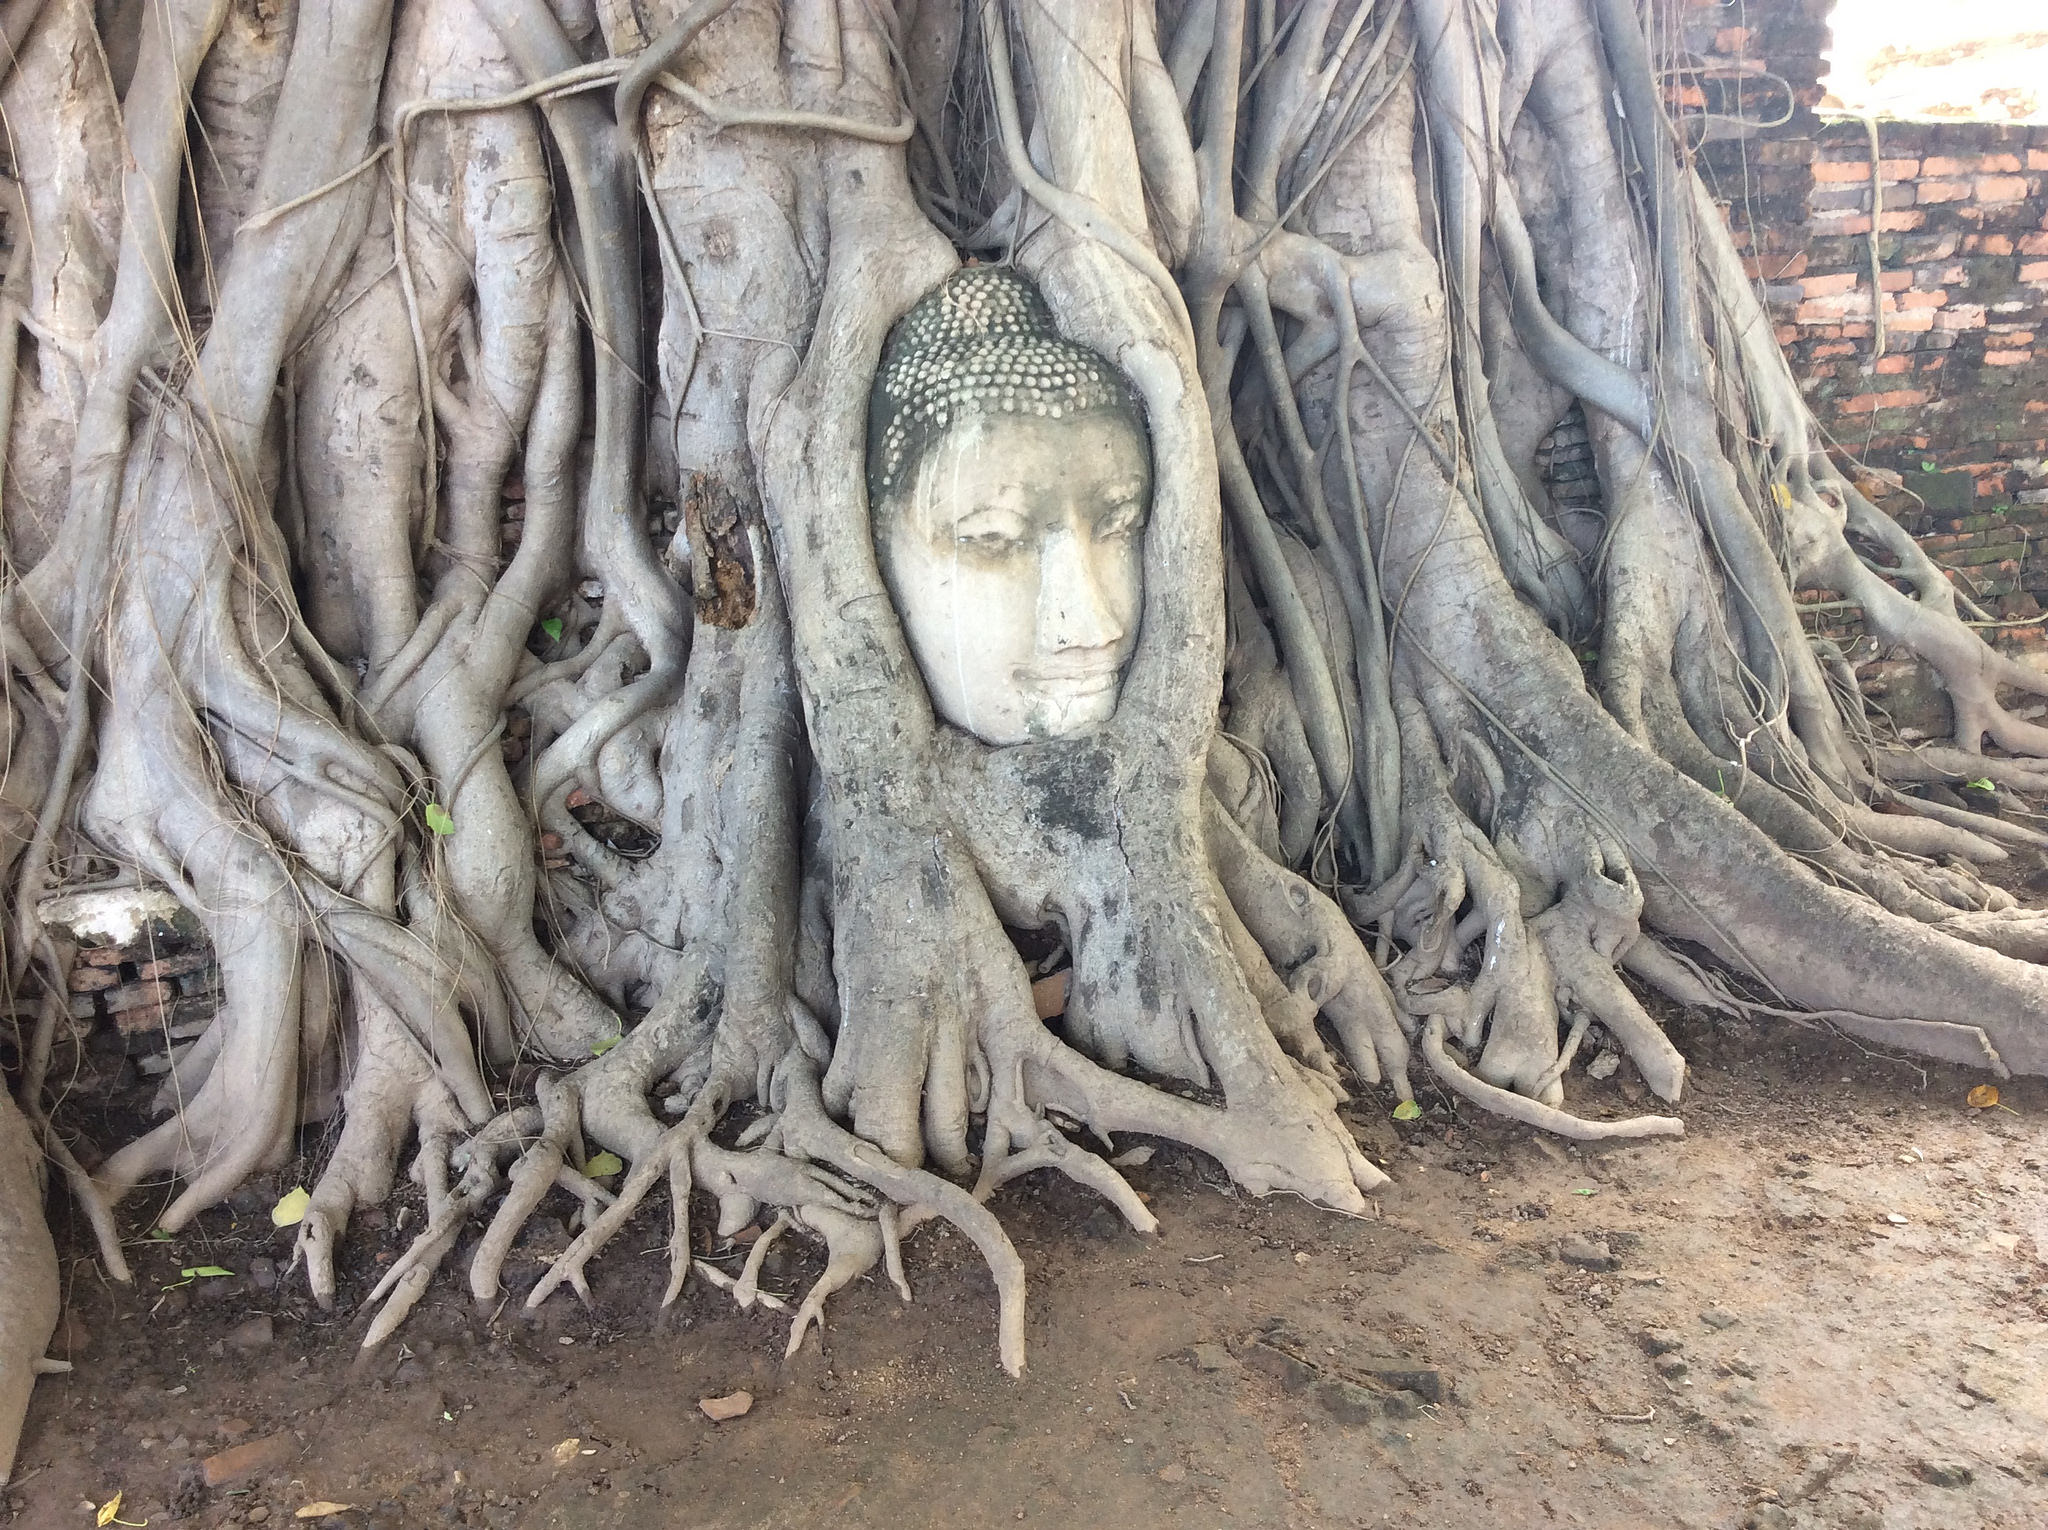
pixel 1012 554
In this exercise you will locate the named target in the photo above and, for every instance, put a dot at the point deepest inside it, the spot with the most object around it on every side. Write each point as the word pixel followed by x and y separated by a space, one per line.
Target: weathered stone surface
pixel 1399 1376
pixel 1662 1341
pixel 1587 1253
pixel 1404 1405
pixel 1943 1473
pixel 1294 1375
pixel 1211 1357
pixel 1348 1402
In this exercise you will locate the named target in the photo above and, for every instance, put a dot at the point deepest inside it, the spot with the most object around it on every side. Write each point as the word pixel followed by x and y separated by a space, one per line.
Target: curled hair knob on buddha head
pixel 981 342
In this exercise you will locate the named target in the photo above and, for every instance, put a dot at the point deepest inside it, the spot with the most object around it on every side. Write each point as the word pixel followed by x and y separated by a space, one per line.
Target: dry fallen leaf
pixel 732 1405
pixel 1983 1097
pixel 566 1451
pixel 323 1508
pixel 108 1510
pixel 290 1210
pixel 1049 994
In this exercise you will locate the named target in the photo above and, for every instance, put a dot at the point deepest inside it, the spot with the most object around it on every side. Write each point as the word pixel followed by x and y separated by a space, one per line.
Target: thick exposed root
pixel 28 1274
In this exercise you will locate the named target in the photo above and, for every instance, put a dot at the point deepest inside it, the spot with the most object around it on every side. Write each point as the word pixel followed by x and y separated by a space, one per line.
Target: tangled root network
pixel 438 554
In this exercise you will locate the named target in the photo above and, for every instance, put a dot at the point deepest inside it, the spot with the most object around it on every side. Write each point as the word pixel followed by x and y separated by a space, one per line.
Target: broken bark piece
pixel 243 1461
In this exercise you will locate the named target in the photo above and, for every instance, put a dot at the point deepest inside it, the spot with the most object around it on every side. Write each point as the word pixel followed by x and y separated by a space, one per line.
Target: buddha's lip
pixel 1097 675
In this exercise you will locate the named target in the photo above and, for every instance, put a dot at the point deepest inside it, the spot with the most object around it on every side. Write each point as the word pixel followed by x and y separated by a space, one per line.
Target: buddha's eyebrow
pixel 999 497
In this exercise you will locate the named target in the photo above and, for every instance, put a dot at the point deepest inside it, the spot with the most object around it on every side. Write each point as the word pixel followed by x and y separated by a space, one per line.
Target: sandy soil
pixel 1847 1257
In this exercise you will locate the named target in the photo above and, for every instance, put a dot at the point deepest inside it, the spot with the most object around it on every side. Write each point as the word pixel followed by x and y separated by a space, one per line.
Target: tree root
pixel 1533 1112
pixel 28 1275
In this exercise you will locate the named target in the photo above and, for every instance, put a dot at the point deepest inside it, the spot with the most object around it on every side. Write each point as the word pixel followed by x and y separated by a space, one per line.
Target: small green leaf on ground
pixel 290 1211
pixel 601 1164
pixel 438 819
pixel 605 1044
pixel 1583 1190
pixel 553 628
pixel 1981 784
pixel 193 1272
pixel 1407 1110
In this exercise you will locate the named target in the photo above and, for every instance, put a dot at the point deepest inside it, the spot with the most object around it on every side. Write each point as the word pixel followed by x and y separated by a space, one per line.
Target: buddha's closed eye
pixel 1123 517
pixel 990 530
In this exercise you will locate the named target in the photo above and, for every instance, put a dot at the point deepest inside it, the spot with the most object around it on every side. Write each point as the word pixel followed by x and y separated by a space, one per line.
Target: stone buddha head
pixel 1009 477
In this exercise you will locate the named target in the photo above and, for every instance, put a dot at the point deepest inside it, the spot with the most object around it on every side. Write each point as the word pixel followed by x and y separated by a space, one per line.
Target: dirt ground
pixel 1842 1264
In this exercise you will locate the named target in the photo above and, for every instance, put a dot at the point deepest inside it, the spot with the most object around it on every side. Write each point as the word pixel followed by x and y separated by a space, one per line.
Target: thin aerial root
pixel 1533 1112
pixel 1936 762
pixel 808 1129
pixel 853 1244
pixel 679 1227
pixel 530 1179
pixel 725 1282
pixel 592 1198
pixel 105 1231
pixel 1592 981
pixel 1054 1151
pixel 892 1250
pixel 749 1287
pixel 1566 1054
pixel 407 1290
pixel 447 1211
pixel 645 1174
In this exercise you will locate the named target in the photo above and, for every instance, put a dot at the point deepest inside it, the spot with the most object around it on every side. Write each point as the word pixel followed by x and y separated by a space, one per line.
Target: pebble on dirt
pixel 1210 1357
pixel 1662 1341
pixel 1425 1384
pixel 1293 1374
pixel 1719 1317
pixel 1404 1405
pixel 1587 1253
pixel 1984 1384
pixel 1349 1403
pixel 1946 1474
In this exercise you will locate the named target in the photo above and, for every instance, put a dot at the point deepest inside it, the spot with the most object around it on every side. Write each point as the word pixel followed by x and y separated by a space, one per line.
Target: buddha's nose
pixel 1074 610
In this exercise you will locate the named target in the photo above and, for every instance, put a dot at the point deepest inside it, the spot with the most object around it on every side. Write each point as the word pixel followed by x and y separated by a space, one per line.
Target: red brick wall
pixel 1957 405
